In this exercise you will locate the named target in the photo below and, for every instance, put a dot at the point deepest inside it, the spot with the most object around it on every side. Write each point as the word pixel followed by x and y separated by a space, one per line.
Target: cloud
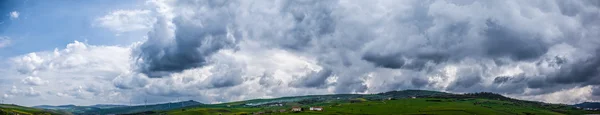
pixel 29 92
pixel 573 95
pixel 130 81
pixel 14 15
pixel 458 46
pixel 4 42
pixel 48 73
pixel 220 51
pixel 226 75
pixel 268 80
pixel 313 79
pixel 35 81
pixel 185 42
pixel 581 71
pixel 126 20
pixel 502 41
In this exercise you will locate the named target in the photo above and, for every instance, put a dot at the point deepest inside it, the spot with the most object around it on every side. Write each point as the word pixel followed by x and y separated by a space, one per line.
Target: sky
pixel 57 52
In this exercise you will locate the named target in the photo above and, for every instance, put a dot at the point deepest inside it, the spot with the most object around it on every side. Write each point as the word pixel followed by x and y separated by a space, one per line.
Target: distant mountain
pixel 68 108
pixel 411 93
pixel 593 105
pixel 106 106
pixel 117 109
pixel 100 106
pixel 54 107
pixel 142 108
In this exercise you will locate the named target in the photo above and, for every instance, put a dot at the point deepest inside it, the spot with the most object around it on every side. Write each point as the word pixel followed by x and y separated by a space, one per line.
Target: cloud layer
pixel 218 51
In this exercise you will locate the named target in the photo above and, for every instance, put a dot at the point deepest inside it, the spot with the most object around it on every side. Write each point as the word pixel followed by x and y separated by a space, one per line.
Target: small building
pixel 413 97
pixel 316 108
pixel 296 109
pixel 282 110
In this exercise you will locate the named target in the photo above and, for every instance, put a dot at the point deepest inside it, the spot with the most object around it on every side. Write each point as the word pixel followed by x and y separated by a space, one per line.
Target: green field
pixel 406 106
pixel 406 102
pixel 6 109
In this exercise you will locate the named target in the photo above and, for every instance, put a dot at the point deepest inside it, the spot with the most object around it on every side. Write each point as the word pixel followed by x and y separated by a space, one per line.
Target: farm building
pixel 296 108
pixel 316 108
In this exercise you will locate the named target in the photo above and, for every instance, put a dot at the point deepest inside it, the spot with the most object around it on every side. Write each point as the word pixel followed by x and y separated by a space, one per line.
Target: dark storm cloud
pixel 537 83
pixel 509 84
pixel 416 60
pixel 465 82
pixel 568 8
pixel 387 61
pixel 501 79
pixel 574 74
pixel 195 38
pixel 460 45
pixel 227 79
pixel 596 91
pixel 355 86
pixel 585 72
pixel 468 79
pixel 571 74
pixel 313 79
pixel 419 82
pixel 312 19
pixel 225 75
pixel 268 80
pixel 502 41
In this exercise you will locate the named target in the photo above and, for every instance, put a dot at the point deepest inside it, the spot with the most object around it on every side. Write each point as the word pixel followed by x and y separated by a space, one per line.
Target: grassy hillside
pixel 395 102
pixel 401 106
pixel 134 109
pixel 117 109
pixel 6 109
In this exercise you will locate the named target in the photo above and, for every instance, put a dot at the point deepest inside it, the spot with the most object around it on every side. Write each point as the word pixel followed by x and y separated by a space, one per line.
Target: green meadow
pixel 406 102
pixel 7 109
pixel 406 106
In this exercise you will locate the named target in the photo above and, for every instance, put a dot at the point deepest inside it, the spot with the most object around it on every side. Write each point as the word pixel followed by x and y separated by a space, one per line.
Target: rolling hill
pixel 393 102
pixel 9 109
pixel 117 109
pixel 589 105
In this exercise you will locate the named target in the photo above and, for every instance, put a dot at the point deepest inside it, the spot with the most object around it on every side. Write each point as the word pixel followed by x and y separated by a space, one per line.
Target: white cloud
pixel 66 71
pixel 126 20
pixel 4 41
pixel 14 15
pixel 565 96
pixel 29 92
pixel 35 81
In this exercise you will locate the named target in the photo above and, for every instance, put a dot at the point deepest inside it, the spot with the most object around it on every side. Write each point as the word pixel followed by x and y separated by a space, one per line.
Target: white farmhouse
pixel 296 109
pixel 316 108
